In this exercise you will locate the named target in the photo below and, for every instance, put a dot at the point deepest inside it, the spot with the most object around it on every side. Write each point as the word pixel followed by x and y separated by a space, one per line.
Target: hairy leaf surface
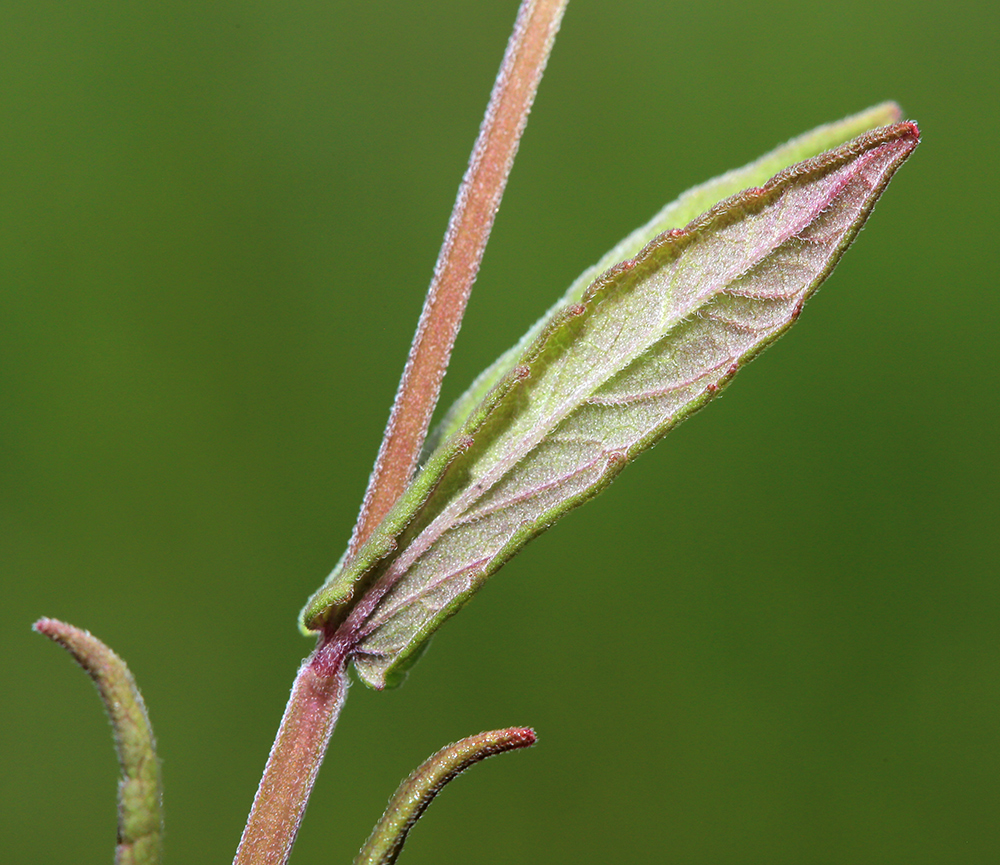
pixel 678 213
pixel 651 341
pixel 350 579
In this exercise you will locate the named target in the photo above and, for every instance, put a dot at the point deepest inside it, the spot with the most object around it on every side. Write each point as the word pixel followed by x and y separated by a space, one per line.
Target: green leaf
pixel 679 212
pixel 419 789
pixel 140 809
pixel 651 341
pixel 331 604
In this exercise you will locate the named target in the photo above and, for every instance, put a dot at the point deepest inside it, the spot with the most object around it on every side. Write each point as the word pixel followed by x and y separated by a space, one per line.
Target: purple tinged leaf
pixel 653 339
pixel 329 606
pixel 681 211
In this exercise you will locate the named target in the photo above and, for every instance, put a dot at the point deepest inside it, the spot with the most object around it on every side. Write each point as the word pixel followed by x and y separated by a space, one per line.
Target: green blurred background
pixel 774 640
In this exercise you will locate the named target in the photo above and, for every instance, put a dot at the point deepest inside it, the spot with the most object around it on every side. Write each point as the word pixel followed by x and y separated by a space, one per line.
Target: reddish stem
pixel 310 716
pixel 321 685
pixel 458 262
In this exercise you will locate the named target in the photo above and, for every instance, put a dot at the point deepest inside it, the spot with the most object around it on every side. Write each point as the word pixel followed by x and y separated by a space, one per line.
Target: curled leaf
pixel 140 814
pixel 351 578
pixel 417 791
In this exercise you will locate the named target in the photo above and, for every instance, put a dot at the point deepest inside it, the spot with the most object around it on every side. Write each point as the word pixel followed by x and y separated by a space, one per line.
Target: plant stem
pixel 321 684
pixel 458 262
pixel 310 716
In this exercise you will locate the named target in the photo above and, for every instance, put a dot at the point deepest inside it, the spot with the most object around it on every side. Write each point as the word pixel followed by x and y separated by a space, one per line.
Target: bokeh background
pixel 775 639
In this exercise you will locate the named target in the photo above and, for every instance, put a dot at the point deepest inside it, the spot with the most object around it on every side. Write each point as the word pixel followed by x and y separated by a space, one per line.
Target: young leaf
pixel 679 212
pixel 651 341
pixel 331 604
pixel 140 809
pixel 419 789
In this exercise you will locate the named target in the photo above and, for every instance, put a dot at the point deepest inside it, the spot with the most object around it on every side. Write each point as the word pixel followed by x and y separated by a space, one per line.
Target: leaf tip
pixel 901 139
pixel 519 737
pixel 905 133
pixel 43 626
pixel 84 647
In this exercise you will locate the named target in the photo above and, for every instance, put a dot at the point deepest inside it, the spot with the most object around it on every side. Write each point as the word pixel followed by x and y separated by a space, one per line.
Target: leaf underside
pixel 348 581
pixel 605 376
pixel 678 213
